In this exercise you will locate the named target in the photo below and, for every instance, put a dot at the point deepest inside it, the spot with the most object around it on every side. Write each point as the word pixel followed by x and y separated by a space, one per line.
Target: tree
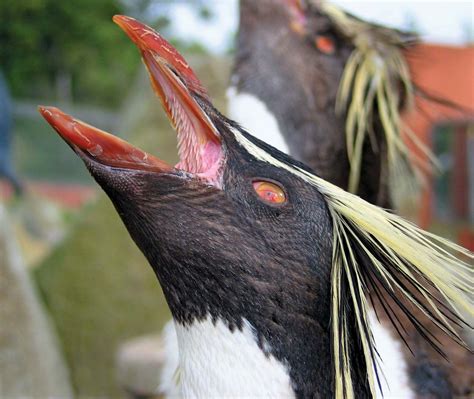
pixel 65 49
pixel 71 50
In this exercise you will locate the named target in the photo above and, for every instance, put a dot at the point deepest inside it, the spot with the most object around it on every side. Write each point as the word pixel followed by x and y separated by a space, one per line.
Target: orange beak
pixel 172 79
pixel 181 95
pixel 99 145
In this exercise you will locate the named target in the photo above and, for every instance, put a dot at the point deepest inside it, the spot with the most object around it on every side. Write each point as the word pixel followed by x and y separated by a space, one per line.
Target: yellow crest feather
pixel 376 76
pixel 391 245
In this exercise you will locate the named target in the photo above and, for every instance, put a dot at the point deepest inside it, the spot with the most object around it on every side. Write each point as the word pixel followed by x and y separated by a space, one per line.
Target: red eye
pixel 269 192
pixel 325 44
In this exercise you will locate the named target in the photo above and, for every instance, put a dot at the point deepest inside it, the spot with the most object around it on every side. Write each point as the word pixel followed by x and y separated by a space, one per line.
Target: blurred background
pixel 73 287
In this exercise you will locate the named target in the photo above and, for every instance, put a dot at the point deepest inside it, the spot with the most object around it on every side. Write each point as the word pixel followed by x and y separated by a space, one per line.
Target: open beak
pixel 182 96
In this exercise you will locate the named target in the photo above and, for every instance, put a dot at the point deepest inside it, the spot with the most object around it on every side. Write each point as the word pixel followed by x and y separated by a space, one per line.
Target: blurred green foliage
pixel 71 50
pixel 46 44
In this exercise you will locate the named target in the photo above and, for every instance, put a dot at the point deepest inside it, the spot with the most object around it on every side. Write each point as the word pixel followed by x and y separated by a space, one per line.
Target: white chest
pixel 216 363
pixel 255 117
pixel 207 360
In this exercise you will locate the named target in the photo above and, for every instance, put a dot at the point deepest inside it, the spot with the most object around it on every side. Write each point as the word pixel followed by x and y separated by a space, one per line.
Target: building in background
pixel 446 126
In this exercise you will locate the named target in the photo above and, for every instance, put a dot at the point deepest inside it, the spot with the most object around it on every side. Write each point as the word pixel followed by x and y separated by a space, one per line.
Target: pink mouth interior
pixel 203 160
pixel 211 155
pixel 199 148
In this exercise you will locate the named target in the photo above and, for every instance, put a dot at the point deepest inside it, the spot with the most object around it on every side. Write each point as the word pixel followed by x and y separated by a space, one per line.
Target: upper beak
pixel 157 51
pixel 173 80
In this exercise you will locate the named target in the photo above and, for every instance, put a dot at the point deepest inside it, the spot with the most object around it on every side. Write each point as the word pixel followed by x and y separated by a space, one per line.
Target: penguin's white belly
pixel 215 362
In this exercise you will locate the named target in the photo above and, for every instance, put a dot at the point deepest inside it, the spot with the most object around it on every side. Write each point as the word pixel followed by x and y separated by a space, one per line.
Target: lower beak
pixel 101 146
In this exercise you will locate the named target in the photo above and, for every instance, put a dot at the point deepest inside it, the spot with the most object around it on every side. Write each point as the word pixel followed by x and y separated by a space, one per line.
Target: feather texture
pixel 375 82
pixel 376 252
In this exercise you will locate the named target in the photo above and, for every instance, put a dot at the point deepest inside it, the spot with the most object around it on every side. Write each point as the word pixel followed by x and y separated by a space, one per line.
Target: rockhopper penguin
pixel 264 265
pixel 330 87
